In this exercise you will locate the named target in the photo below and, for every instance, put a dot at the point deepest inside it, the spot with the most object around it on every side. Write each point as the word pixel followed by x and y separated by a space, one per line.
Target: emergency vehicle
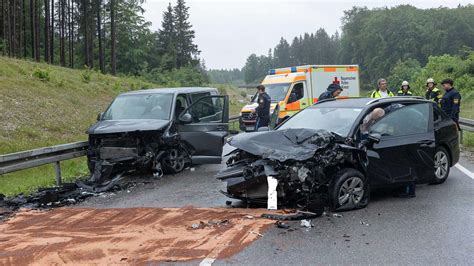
pixel 292 89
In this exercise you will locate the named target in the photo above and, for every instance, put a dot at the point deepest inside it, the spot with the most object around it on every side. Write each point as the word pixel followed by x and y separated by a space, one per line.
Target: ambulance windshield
pixel 277 92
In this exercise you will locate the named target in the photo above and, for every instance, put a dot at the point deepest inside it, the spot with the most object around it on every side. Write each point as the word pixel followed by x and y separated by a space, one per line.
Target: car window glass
pixel 411 119
pixel 181 104
pixel 296 93
pixel 196 96
pixel 140 106
pixel 208 110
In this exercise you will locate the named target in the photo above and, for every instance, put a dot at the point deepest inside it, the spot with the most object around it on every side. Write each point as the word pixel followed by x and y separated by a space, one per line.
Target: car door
pixel 406 148
pixel 205 132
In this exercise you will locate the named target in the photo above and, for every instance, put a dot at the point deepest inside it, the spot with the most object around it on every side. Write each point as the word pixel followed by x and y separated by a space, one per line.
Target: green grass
pixel 468 141
pixel 467 107
pixel 43 105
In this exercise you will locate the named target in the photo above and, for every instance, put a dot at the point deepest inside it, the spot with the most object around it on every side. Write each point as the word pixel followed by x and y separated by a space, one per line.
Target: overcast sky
pixel 228 31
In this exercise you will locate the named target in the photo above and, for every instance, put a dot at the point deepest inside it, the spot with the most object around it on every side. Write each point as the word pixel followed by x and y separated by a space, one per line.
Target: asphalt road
pixel 436 227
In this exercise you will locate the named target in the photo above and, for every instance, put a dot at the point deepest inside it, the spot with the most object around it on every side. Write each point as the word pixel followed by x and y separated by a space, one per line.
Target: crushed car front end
pixel 304 161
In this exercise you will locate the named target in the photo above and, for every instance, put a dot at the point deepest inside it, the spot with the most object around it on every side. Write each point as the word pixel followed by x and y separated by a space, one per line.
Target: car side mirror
pixel 186 118
pixel 374 137
pixel 99 116
pixel 263 129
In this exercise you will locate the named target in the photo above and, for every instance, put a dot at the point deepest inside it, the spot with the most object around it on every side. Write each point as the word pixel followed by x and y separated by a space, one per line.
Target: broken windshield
pixel 337 120
pixel 140 106
pixel 277 92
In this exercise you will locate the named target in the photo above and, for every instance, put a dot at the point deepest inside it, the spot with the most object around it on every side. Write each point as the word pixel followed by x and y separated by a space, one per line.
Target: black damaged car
pixel 336 151
pixel 159 130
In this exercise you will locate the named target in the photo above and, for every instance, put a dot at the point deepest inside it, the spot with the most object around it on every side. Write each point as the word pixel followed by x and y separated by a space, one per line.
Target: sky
pixel 228 31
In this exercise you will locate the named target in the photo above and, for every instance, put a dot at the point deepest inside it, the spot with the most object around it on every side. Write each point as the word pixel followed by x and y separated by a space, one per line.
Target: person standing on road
pixel 404 89
pixel 451 100
pixel 332 91
pixel 263 108
pixel 432 93
pixel 381 91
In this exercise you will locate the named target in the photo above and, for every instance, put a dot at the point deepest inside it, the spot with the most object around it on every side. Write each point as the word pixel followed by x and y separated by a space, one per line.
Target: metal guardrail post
pixel 57 168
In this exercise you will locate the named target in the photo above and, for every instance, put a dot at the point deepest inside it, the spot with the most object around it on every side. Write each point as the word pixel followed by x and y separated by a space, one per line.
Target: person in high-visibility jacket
pixel 381 91
pixel 404 89
pixel 432 93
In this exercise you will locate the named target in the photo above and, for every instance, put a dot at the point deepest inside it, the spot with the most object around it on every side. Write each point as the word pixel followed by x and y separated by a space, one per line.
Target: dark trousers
pixel 262 122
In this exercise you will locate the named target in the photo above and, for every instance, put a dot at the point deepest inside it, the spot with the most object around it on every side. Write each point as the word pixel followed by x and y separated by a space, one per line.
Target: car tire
pixel 441 161
pixel 173 161
pixel 349 190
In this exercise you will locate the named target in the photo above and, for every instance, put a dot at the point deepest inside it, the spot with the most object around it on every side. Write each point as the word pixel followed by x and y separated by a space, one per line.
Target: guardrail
pixel 55 154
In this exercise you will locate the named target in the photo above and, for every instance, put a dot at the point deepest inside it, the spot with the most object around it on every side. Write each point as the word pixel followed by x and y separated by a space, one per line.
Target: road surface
pixel 436 227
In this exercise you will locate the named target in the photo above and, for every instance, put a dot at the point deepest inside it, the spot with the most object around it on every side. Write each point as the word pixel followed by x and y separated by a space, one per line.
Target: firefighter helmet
pixel 430 80
pixel 405 83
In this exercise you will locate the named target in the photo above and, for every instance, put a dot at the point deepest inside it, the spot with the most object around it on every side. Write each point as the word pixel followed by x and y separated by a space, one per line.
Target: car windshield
pixel 277 92
pixel 337 120
pixel 140 106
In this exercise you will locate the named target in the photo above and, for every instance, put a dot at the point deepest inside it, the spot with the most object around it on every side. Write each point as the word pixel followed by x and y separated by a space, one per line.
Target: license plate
pixel 250 128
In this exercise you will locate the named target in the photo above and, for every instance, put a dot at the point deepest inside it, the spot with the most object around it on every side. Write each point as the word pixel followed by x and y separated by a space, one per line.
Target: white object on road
pixel 464 170
pixel 272 203
pixel 306 223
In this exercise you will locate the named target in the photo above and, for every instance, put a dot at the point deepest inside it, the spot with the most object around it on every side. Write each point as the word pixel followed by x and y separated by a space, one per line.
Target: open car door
pixel 406 149
pixel 204 126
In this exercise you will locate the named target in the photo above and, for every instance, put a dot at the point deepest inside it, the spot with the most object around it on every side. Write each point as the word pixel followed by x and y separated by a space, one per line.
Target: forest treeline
pixel 377 39
pixel 111 36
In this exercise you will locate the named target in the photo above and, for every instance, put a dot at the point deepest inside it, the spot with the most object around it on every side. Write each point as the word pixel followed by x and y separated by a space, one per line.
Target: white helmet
pixel 405 83
pixel 430 80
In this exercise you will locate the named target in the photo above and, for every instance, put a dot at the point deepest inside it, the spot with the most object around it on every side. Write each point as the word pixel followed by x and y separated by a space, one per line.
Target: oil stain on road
pixel 129 235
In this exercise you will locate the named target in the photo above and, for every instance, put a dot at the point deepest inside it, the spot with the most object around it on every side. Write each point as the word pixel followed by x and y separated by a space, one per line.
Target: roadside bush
pixel 86 75
pixel 41 74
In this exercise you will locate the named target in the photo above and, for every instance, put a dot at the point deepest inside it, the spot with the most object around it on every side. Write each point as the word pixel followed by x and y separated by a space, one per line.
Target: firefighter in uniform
pixel 263 109
pixel 332 91
pixel 432 93
pixel 451 100
pixel 381 91
pixel 404 89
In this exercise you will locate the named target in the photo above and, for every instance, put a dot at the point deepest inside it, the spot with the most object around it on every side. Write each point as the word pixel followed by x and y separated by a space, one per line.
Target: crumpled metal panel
pixel 282 145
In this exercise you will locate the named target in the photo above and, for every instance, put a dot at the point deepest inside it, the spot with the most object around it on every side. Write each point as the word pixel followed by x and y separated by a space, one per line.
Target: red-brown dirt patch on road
pixel 127 236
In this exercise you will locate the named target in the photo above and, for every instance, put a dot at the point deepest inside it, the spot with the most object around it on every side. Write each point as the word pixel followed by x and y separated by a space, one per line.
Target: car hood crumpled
pixel 119 126
pixel 289 144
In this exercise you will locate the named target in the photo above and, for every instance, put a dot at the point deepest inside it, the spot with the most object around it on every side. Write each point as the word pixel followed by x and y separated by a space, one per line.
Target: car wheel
pixel 349 190
pixel 173 161
pixel 441 165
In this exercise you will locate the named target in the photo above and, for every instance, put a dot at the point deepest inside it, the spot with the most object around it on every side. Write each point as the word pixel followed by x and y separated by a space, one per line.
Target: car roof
pixel 367 102
pixel 172 90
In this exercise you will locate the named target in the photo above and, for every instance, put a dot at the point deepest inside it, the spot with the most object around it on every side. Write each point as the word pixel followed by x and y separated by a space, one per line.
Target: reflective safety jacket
pixel 376 94
pixel 434 95
pixel 401 93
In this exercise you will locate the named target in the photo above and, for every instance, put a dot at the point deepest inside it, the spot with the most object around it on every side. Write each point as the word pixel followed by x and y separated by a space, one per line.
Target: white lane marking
pixel 207 262
pixel 465 171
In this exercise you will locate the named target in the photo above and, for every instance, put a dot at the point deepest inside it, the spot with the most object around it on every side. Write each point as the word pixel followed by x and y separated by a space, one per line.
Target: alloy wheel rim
pixel 441 164
pixel 351 191
pixel 175 159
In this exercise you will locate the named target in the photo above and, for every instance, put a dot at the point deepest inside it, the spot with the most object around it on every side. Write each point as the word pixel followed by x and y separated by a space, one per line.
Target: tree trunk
pixel 37 31
pixel 99 36
pixel 24 27
pixel 69 32
pixel 2 24
pixel 72 34
pixel 86 33
pixel 47 49
pixel 113 38
pixel 51 43
pixel 32 27
pixel 9 23
pixel 62 22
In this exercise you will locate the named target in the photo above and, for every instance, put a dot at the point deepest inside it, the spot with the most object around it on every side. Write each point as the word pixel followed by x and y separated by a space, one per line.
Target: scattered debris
pixel 282 225
pixel 297 215
pixel 364 223
pixel 306 223
pixel 256 233
pixel 337 215
pixel 249 217
pixel 210 223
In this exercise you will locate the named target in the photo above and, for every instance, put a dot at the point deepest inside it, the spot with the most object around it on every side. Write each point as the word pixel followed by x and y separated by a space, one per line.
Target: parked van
pixel 295 88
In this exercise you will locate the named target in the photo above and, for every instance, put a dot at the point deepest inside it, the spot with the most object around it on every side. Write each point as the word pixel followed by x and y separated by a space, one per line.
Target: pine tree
pixel 166 40
pixel 186 50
